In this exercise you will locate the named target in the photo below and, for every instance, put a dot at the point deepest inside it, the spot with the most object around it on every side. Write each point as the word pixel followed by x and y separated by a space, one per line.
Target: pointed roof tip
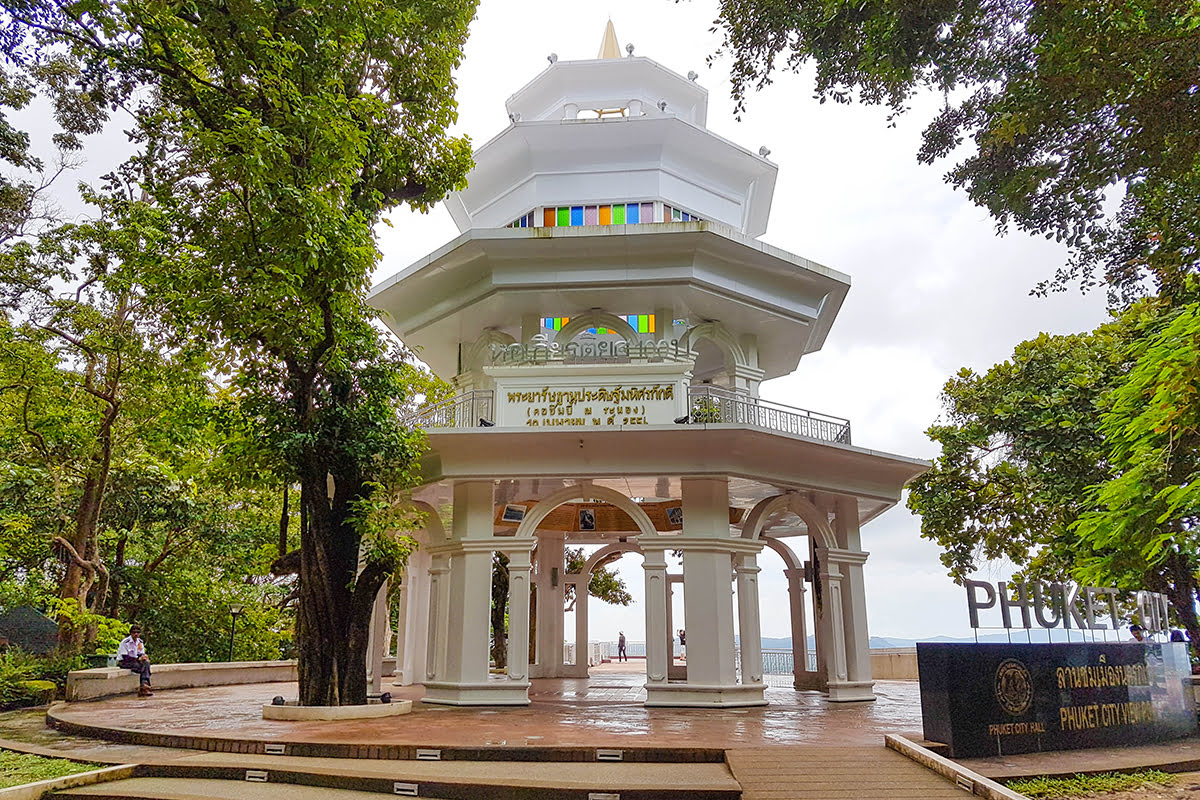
pixel 609 48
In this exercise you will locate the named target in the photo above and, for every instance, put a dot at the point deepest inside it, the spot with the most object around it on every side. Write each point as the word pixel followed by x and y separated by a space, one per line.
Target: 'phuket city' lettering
pixel 1065 605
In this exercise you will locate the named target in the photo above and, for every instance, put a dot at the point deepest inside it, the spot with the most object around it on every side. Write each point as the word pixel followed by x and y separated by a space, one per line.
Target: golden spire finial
pixel 608 45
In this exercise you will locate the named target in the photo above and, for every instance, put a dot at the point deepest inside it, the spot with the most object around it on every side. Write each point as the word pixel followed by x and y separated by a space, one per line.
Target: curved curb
pixel 34 791
pixel 396 752
pixel 965 779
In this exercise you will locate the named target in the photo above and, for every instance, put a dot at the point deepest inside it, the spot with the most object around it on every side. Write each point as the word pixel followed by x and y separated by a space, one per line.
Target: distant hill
pixel 1016 637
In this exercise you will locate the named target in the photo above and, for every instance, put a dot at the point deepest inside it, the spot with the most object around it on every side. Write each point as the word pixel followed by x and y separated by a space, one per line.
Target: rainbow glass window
pixel 642 323
pixel 675 215
pixel 522 222
pixel 610 214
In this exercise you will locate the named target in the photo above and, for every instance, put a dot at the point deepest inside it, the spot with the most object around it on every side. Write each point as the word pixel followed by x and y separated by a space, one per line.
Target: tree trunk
pixel 499 609
pixel 283 523
pixel 336 600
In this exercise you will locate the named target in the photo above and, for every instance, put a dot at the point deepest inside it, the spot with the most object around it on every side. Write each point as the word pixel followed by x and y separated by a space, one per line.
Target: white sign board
pixel 589 400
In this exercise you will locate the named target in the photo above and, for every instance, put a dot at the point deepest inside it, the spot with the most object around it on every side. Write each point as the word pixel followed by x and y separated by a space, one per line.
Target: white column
pixel 795 579
pixel 377 641
pixel 439 620
pixel 403 649
pixel 518 616
pixel 707 583
pixel 413 623
pixel 657 655
pixel 749 629
pixel 465 679
pixel 550 597
pixel 581 626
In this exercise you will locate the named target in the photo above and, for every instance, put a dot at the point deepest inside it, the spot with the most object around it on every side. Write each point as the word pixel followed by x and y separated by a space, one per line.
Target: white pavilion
pixel 607 317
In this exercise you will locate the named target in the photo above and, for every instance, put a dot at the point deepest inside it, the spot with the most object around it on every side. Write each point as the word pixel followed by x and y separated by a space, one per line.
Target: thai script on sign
pixel 540 349
pixel 1102 676
pixel 615 394
pixel 1065 605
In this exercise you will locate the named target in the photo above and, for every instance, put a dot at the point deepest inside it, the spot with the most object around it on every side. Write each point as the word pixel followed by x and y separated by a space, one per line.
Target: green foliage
pixel 604 584
pixel 1087 785
pixel 1145 512
pixel 17 769
pixel 1020 445
pixel 1062 101
pixel 38 692
pixel 15 669
pixel 706 409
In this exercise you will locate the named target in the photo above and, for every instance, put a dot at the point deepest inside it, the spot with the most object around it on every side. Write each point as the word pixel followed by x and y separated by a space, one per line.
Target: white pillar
pixel 581 626
pixel 465 679
pixel 711 678
pixel 377 634
pixel 801 678
pixel 518 616
pixel 439 620
pixel 657 655
pixel 749 628
pixel 551 564
pixel 403 648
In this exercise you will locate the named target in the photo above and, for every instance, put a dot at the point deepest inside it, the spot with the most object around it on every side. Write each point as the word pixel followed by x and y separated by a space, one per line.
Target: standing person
pixel 682 645
pixel 621 655
pixel 131 655
pixel 1139 633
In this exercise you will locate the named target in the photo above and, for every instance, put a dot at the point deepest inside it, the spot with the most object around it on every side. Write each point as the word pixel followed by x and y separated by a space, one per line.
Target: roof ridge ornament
pixel 609 47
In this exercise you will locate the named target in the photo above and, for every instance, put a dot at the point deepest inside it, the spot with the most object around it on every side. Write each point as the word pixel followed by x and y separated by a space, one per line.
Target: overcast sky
pixel 934 288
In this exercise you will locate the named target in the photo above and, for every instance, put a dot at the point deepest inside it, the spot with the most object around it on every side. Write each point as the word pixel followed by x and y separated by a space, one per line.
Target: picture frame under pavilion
pixel 675 516
pixel 587 519
pixel 513 513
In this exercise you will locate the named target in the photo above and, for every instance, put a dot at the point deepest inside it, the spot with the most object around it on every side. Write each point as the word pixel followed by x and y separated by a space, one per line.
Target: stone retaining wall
pixel 90 684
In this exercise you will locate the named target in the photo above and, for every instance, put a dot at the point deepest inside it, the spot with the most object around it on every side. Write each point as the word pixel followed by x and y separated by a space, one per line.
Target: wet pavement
pixel 605 710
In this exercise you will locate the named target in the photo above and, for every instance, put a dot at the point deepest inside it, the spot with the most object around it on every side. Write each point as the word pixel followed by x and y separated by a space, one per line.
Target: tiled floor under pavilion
pixel 603 711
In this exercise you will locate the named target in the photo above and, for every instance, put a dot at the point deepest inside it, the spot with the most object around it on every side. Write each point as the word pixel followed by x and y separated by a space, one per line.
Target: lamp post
pixel 234 610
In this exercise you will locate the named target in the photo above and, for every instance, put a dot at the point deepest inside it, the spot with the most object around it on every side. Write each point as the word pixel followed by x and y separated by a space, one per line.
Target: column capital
pixel 849 558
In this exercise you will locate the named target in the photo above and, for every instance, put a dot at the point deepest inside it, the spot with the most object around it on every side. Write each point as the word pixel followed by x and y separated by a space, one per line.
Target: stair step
pixel 342 780
pixel 155 788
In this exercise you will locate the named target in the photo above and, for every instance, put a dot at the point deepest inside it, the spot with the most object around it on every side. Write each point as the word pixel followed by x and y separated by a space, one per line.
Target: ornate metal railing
pixel 713 404
pixel 474 409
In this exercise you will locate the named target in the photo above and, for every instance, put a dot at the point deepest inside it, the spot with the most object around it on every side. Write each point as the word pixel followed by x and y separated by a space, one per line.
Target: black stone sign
pixel 998 699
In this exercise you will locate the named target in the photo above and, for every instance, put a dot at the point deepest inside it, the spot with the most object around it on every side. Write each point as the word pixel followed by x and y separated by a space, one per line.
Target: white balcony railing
pixel 713 404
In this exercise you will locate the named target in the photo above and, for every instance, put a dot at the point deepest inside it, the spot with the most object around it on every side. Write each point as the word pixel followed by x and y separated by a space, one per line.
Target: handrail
pixel 717 405
pixel 474 409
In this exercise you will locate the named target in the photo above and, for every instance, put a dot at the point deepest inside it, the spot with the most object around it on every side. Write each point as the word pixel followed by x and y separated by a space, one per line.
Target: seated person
pixel 131 655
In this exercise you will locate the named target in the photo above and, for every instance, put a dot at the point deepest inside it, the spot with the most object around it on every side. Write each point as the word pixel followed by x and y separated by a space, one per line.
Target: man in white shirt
pixel 131 655
pixel 1139 633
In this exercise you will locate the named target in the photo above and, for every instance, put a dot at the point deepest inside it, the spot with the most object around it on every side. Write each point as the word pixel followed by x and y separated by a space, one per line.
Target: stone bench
pixel 90 684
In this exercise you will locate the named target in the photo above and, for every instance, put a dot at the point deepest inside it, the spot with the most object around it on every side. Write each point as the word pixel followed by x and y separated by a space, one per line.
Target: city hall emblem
pixel 1014 687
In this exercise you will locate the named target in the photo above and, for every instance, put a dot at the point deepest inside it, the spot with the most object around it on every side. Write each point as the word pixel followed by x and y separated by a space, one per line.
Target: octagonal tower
pixel 607 316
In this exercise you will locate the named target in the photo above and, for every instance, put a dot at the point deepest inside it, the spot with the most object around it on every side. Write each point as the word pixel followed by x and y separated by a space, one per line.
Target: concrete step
pixel 302 779
pixel 205 789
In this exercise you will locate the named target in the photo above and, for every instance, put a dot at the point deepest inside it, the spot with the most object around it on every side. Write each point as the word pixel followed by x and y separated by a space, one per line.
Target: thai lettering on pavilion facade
pixel 607 317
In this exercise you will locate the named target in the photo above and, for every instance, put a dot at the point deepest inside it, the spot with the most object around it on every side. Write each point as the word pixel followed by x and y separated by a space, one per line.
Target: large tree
pixel 1063 101
pixel 1077 458
pixel 272 136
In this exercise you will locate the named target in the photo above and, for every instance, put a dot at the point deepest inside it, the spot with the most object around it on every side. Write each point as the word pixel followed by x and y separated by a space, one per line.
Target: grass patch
pixel 17 769
pixel 1086 785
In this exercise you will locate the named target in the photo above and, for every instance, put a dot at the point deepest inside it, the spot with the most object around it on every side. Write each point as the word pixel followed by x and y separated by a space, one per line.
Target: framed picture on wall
pixel 513 513
pixel 587 519
pixel 675 516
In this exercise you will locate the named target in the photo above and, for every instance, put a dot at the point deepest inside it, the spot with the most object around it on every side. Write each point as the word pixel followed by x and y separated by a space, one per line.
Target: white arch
pixel 725 341
pixel 596 319
pixel 790 559
pixel 818 524
pixel 433 523
pixel 474 357
pixel 535 517
pixel 597 558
